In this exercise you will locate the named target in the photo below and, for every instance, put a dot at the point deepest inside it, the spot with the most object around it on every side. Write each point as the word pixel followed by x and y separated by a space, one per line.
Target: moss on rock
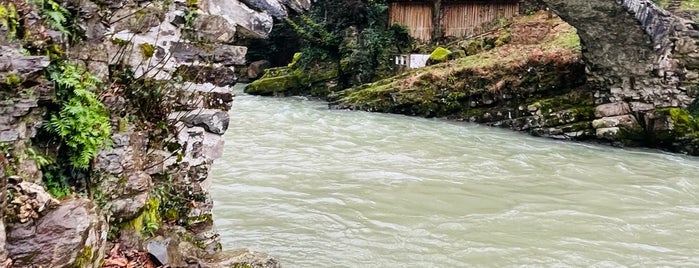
pixel 147 50
pixel 148 221
pixel 286 80
pixel 272 85
pixel 685 125
pixel 439 54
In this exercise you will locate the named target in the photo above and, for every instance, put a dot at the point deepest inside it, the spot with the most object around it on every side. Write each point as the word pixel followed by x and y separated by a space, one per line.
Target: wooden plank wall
pixel 416 16
pixel 466 19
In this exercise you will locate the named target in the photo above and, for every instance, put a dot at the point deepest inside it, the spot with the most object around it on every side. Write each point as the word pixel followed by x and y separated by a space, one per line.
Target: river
pixel 325 188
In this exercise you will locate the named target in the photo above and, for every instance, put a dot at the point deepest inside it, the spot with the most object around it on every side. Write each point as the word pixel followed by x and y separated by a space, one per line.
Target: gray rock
pixel 128 208
pixel 257 68
pixel 626 121
pixel 199 146
pixel 74 234
pixel 199 173
pixel 214 121
pixel 127 193
pixel 137 182
pixel 279 9
pixel 640 106
pixel 298 6
pixel 15 66
pixel 158 249
pixel 226 55
pixel 241 258
pixel 250 23
pixel 612 109
pixel 137 19
pixel 607 133
pixel 208 96
pixel 9 135
pixel 121 139
pixel 110 161
pixel 273 7
pixel 219 76
pixel 212 29
pixel 4 262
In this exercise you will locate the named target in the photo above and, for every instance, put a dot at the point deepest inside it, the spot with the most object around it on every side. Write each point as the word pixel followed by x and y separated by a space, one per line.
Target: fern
pixel 56 15
pixel 83 121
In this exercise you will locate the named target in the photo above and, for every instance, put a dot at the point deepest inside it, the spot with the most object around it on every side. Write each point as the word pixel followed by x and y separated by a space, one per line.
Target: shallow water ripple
pixel 322 188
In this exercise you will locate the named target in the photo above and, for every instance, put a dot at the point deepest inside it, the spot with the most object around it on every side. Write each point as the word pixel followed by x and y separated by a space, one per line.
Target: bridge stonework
pixel 640 60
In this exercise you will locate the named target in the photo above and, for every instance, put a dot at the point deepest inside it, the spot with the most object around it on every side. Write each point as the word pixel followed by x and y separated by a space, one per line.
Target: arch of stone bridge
pixel 639 58
pixel 615 46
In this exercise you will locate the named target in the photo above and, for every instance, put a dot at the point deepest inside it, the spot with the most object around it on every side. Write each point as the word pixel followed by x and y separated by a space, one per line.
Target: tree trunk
pixel 437 20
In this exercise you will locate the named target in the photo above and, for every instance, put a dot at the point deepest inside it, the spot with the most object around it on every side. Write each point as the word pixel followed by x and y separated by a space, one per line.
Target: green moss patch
pixel 148 221
pixel 147 50
pixel 284 80
pixel 439 54
pixel 684 123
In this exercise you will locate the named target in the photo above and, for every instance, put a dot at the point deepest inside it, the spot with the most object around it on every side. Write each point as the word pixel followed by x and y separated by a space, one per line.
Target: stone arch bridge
pixel 639 58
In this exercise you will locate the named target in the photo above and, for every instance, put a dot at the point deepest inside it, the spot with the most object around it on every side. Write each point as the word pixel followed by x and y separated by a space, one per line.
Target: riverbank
pixel 534 82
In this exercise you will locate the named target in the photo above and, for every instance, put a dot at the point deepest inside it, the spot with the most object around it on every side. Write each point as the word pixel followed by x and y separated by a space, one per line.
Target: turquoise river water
pixel 324 188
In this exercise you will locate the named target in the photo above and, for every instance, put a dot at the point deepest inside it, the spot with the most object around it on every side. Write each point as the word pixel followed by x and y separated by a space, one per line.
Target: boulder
pixel 612 109
pixel 242 258
pixel 16 68
pixel 641 106
pixel 609 133
pixel 200 146
pixel 212 120
pixel 282 80
pixel 212 29
pixel 626 121
pixel 272 85
pixel 273 7
pixel 298 6
pixel 137 19
pixel 128 208
pixel 226 55
pixel 249 23
pixel 210 96
pixel 219 76
pixel 126 155
pixel 129 194
pixel 257 68
pixel 72 235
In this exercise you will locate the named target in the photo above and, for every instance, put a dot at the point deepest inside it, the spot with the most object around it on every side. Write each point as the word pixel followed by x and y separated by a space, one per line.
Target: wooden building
pixel 433 19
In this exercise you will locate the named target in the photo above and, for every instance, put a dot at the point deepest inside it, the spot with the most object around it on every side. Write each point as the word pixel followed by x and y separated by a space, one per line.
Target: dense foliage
pixel 352 34
pixel 82 122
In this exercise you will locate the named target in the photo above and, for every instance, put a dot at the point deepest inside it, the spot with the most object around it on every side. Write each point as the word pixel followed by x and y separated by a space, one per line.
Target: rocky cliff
pixel 111 115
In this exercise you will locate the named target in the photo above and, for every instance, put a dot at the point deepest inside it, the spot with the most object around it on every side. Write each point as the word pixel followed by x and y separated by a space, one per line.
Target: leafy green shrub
pixel 693 108
pixel 56 181
pixel 83 121
pixel 352 34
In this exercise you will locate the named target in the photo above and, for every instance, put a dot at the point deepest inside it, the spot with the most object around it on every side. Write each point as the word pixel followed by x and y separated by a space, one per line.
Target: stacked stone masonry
pixel 197 41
